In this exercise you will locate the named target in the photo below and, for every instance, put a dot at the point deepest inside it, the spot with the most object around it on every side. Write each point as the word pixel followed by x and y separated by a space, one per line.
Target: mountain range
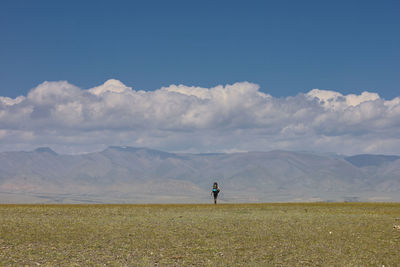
pixel 143 175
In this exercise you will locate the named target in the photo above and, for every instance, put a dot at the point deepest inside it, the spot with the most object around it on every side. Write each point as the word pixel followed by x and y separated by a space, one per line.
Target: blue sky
pixel 200 76
pixel 286 47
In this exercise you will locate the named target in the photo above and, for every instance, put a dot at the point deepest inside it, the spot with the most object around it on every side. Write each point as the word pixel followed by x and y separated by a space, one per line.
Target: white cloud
pixel 51 93
pixel 6 101
pixel 335 100
pixel 234 117
pixel 110 86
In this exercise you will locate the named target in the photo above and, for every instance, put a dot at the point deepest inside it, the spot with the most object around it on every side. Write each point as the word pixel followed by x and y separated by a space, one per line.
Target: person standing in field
pixel 215 191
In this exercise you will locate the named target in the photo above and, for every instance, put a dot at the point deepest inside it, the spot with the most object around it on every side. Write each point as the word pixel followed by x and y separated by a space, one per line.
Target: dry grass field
pixel 316 234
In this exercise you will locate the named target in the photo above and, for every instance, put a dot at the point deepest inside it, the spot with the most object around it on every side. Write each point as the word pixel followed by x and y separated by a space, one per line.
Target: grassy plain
pixel 316 234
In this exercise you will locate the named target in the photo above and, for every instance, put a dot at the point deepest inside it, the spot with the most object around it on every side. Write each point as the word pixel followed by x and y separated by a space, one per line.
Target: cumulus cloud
pixel 235 117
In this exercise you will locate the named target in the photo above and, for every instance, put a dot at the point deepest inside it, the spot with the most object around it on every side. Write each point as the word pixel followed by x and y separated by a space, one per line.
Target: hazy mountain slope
pixel 120 174
pixel 371 160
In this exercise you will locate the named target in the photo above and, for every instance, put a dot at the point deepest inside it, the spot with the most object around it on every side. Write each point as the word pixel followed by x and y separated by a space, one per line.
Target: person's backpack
pixel 215 187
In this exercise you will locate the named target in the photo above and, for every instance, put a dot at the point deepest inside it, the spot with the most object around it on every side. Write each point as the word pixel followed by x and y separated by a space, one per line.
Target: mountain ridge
pixel 143 175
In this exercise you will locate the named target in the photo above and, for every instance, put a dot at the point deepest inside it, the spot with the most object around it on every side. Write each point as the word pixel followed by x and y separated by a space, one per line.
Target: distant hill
pixel 142 175
pixel 371 160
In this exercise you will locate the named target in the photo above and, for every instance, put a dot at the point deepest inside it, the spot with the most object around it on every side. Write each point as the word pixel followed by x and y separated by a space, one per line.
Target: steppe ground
pixel 317 234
